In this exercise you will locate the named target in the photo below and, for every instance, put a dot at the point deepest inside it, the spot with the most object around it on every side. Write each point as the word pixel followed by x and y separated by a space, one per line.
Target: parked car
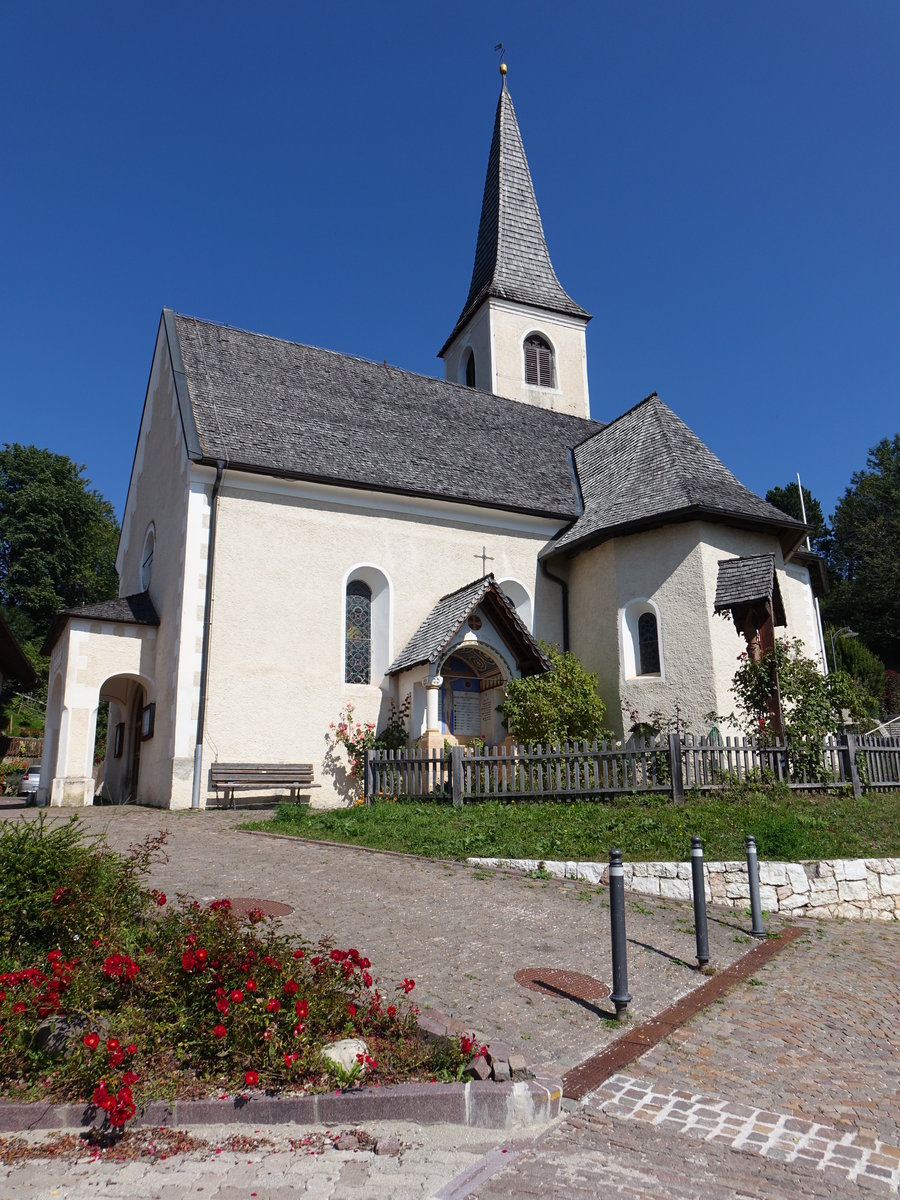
pixel 29 783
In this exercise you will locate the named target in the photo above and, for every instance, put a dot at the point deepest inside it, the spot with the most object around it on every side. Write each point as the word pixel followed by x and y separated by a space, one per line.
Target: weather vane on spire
pixel 502 51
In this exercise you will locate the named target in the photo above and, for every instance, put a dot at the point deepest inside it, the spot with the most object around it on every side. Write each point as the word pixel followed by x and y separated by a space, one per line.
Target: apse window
pixel 539 362
pixel 648 644
pixel 641 642
pixel 147 556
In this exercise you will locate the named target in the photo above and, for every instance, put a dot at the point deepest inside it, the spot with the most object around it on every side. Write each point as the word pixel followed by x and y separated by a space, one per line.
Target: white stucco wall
pixel 675 568
pixel 497 334
pixel 283 552
pixel 159 492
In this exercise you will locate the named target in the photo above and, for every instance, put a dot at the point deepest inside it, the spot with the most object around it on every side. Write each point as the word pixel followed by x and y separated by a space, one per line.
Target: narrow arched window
pixel 470 369
pixel 539 362
pixel 648 643
pixel 358 653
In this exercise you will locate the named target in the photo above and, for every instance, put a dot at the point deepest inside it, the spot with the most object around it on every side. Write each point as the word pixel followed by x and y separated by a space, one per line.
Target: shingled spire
pixel 511 257
pixel 513 268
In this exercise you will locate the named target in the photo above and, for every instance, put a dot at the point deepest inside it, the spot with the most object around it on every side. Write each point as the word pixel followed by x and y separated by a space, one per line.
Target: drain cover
pixel 272 908
pixel 552 981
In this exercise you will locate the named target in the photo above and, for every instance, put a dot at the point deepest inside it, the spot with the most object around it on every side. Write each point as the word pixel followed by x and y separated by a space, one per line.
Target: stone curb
pixel 852 889
pixel 477 1105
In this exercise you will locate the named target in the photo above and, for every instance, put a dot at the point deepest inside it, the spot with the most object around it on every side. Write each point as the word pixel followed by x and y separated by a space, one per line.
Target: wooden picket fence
pixel 670 764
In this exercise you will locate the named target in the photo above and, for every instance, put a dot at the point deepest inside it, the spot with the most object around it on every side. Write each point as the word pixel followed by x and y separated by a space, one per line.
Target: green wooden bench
pixel 229 778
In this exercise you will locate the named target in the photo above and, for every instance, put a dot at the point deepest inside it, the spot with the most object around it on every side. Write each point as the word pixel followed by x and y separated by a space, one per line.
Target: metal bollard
pixel 697 884
pixel 620 996
pixel 757 929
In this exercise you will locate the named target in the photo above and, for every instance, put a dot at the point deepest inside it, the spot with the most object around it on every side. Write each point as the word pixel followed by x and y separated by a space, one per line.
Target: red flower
pixel 112 1043
pixel 290 1059
pixel 222 1006
pixel 274 1005
pixel 299 954
pixel 188 962
pixel 58 895
pixel 250 985
pixel 19 1006
pixel 351 1010
pixel 161 899
pixel 54 956
pixel 132 1049
pixel 201 955
pixel 391 1010
pixel 220 1031
pixel 251 1078
pixel 290 988
pixel 338 955
pixel 91 1040
pixel 130 1077
pixel 408 985
pixel 301 1008
pixel 237 995
pixel 116 1057
pixel 367 979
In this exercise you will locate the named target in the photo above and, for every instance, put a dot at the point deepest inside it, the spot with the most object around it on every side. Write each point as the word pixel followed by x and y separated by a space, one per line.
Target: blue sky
pixel 719 184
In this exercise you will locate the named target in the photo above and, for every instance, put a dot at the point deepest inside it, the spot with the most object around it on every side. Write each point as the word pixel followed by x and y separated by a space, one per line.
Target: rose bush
pixel 183 999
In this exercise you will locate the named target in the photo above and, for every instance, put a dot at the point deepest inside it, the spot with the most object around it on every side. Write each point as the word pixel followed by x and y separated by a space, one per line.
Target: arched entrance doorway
pixel 472 689
pixel 121 777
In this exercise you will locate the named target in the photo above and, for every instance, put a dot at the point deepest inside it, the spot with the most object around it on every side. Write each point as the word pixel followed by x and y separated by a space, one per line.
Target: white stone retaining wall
pixel 855 888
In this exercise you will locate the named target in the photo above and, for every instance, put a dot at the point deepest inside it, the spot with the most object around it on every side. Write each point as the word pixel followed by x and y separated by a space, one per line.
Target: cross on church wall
pixel 485 559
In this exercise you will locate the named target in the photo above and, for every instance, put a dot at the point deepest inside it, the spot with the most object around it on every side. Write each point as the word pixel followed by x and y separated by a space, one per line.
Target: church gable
pixel 481 599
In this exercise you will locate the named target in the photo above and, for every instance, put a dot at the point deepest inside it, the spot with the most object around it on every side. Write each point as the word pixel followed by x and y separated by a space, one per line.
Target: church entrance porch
pixel 473 687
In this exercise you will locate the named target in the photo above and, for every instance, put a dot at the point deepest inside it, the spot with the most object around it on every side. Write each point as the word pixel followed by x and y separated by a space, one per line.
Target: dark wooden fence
pixel 669 763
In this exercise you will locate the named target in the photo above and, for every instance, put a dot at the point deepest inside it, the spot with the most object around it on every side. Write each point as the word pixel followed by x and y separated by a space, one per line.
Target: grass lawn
pixel 787 826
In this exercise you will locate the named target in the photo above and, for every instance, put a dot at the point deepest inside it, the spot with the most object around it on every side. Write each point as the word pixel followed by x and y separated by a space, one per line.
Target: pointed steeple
pixel 511 257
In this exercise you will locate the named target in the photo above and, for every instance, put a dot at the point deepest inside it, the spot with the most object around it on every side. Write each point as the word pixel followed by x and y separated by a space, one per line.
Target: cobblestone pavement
pixel 787 1086
pixel 428 1159
pixel 791 1081
pixel 460 932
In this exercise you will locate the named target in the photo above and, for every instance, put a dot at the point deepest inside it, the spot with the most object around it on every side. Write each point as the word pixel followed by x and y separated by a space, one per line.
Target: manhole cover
pixel 272 908
pixel 552 981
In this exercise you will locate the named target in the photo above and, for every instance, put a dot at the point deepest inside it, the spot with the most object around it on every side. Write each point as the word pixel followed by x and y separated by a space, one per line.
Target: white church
pixel 292 542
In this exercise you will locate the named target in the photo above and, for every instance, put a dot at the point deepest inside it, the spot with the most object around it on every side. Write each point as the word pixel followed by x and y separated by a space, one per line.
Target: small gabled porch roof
pixel 435 635
pixel 137 609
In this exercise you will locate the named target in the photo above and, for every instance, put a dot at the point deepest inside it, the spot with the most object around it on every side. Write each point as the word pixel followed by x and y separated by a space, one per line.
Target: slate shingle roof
pixel 746 581
pixel 280 408
pixel 433 636
pixel 512 261
pixel 647 468
pixel 137 609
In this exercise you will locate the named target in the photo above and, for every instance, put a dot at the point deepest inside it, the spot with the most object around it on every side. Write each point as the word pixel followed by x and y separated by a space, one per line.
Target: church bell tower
pixel 519 334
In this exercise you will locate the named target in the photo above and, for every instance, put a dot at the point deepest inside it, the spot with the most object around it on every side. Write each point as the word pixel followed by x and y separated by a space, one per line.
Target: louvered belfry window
pixel 358 654
pixel 648 641
pixel 470 370
pixel 538 362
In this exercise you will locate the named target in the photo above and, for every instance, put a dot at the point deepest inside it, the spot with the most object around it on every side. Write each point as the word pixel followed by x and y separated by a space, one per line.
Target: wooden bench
pixel 231 777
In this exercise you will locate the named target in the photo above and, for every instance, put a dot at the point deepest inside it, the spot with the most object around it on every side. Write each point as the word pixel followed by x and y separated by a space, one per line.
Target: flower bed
pixel 112 994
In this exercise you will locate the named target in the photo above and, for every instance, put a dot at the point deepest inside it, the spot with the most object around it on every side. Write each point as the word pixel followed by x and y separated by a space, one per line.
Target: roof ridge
pixel 371 362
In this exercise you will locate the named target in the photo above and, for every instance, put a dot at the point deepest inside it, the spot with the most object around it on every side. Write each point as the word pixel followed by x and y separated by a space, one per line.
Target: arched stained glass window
pixel 539 362
pixel 648 641
pixel 358 653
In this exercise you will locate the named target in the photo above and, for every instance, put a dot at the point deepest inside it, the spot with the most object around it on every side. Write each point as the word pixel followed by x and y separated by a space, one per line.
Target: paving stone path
pixel 788 1086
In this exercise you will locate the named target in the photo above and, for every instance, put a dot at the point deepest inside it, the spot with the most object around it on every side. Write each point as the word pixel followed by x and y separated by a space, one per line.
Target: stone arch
pixel 127 694
pixel 474 676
